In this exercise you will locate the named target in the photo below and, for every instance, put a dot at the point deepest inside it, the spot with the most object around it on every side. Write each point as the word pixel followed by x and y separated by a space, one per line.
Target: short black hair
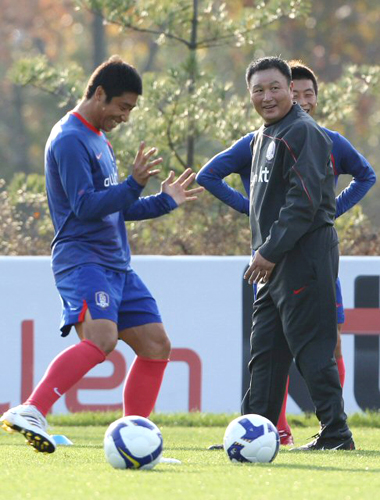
pixel 302 72
pixel 115 77
pixel 264 63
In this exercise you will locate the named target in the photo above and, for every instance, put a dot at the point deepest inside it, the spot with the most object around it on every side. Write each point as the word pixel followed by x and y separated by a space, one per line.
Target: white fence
pixel 200 299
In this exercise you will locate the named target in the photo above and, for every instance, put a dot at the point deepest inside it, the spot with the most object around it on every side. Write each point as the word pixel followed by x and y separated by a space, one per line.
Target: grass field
pixel 81 472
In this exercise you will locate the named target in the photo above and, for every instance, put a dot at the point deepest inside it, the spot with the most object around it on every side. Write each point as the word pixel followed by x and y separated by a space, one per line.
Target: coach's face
pixel 271 94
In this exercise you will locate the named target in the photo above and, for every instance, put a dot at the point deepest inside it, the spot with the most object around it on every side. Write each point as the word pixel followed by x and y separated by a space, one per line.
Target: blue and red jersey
pixel 238 159
pixel 87 203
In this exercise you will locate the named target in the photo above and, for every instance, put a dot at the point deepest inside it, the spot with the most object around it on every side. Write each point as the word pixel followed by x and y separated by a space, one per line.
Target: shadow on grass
pixel 13 444
pixel 170 449
pixel 199 470
pixel 358 453
pixel 324 468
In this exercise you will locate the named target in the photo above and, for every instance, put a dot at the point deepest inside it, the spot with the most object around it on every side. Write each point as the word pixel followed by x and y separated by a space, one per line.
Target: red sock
pixel 142 385
pixel 282 424
pixel 341 370
pixel 63 372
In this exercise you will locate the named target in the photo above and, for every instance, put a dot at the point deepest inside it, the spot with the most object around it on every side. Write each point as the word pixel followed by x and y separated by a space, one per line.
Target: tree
pixel 190 104
pixel 332 37
pixel 184 107
pixel 189 112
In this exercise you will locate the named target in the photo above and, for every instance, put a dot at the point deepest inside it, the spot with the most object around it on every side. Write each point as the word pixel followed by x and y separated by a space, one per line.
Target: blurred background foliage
pixel 192 55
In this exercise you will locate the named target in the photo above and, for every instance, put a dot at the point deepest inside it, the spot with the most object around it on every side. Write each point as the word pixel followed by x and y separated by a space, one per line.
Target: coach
pixel 292 209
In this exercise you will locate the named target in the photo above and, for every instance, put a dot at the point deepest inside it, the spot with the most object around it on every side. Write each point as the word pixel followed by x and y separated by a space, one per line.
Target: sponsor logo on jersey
pixel 270 151
pixel 99 156
pixel 262 176
pixel 102 299
pixel 111 180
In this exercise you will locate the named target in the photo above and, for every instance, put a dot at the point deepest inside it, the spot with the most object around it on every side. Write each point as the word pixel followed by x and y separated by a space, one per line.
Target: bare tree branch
pixel 169 135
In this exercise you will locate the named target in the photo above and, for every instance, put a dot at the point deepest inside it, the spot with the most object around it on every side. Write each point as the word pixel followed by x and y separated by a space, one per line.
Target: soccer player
pixel 101 294
pixel 346 160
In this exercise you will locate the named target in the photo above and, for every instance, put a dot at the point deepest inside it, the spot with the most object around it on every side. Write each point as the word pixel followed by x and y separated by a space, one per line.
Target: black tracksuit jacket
pixel 292 183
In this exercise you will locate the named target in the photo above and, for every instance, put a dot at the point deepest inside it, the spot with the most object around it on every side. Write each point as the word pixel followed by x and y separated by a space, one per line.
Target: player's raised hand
pixel 177 189
pixel 142 168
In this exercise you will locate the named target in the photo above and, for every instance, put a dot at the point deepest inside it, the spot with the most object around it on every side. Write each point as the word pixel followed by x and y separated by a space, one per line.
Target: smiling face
pixel 109 115
pixel 304 94
pixel 271 94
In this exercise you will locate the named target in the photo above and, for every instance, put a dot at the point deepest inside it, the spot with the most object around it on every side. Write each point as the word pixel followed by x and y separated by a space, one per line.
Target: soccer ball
pixel 251 438
pixel 133 442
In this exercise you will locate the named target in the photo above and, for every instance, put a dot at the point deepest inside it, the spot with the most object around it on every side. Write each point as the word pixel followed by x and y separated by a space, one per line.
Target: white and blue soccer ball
pixel 251 438
pixel 133 442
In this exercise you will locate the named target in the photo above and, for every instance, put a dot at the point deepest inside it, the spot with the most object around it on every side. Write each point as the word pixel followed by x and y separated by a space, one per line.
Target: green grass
pixel 80 471
pixel 198 419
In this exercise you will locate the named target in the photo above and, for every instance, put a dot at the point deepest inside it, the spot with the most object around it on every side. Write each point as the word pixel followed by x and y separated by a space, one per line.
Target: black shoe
pixel 215 447
pixel 327 444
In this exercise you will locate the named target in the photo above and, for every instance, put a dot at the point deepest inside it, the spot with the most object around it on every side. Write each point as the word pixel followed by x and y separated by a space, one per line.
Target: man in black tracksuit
pixel 292 209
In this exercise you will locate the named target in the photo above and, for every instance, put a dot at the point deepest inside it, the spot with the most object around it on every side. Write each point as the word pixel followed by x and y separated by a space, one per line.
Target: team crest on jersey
pixel 270 151
pixel 102 299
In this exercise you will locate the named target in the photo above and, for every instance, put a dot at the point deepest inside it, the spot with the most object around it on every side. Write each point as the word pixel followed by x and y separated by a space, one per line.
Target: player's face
pixel 117 111
pixel 271 94
pixel 304 94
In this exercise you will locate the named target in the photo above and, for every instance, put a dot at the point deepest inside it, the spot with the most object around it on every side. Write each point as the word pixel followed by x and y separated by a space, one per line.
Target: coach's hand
pixel 142 168
pixel 177 189
pixel 259 270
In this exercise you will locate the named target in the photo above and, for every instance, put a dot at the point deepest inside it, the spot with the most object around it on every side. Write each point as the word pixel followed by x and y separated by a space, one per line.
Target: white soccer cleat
pixel 30 422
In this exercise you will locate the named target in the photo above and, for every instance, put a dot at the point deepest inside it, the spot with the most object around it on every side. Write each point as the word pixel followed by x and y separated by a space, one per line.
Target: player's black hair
pixel 268 63
pixel 115 77
pixel 302 72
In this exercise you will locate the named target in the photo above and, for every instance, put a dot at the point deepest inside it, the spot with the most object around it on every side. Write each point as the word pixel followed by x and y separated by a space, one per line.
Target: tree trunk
pixel 99 40
pixel 192 85
pixel 20 142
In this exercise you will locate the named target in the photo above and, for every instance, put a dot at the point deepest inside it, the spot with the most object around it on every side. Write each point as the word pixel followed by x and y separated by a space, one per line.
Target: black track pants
pixel 294 316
